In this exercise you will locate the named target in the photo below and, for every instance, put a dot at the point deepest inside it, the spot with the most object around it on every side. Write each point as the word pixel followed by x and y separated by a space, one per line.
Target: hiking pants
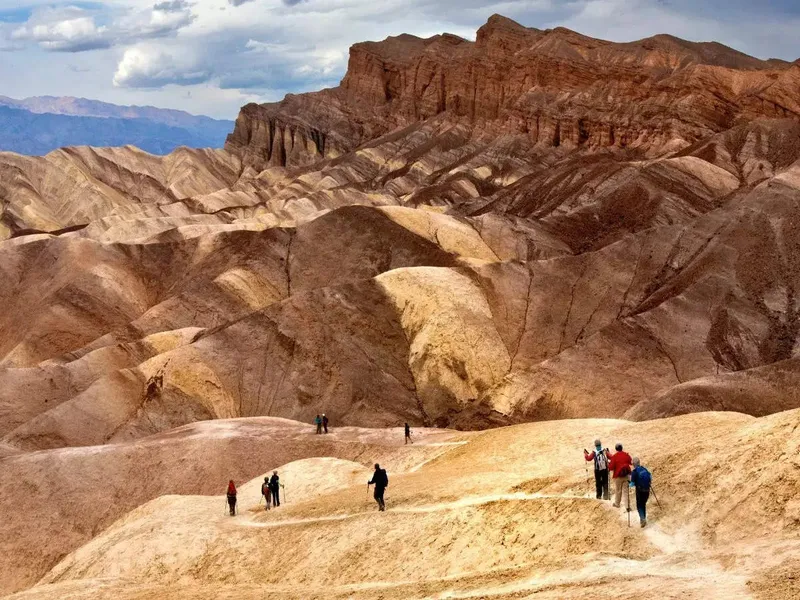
pixel 601 484
pixel 378 495
pixel 319 427
pixel 325 425
pixel 267 499
pixel 276 500
pixel 232 504
pixel 642 496
pixel 620 483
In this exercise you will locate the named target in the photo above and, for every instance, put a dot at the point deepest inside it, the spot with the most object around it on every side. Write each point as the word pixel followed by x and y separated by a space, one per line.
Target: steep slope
pixel 362 251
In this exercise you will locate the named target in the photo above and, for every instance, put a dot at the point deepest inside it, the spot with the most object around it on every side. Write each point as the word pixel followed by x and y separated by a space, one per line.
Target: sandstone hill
pixel 463 235
pixel 533 225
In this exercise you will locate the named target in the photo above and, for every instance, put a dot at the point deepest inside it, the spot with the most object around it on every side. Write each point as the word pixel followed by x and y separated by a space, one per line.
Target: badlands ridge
pixel 463 235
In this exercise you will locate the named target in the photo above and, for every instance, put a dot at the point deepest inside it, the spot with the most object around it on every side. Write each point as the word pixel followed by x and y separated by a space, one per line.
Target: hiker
pixel 274 487
pixel 381 481
pixel 408 434
pixel 640 479
pixel 232 497
pixel 318 423
pixel 325 422
pixel 265 491
pixel 600 458
pixel 620 467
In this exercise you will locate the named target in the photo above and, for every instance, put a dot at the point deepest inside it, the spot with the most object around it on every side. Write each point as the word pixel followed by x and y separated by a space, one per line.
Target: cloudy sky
pixel 212 56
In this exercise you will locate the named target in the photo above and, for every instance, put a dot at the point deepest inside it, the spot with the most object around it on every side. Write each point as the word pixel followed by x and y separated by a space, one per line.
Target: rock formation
pixel 535 225
pixel 410 246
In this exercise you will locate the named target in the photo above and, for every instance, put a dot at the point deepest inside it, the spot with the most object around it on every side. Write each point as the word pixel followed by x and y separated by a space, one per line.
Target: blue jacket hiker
pixel 640 479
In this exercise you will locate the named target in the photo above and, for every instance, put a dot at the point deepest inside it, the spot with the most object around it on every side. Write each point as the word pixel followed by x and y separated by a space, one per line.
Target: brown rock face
pixel 556 87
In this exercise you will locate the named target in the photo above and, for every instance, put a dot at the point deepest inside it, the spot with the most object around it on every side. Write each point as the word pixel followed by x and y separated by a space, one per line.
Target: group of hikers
pixel 623 469
pixel 626 473
pixel 270 489
pixel 321 423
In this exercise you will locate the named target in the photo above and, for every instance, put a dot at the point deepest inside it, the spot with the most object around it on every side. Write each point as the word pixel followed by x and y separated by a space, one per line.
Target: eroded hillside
pixel 536 225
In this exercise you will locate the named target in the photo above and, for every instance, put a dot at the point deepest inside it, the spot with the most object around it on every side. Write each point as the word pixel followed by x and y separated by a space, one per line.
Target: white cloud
pixel 63 30
pixel 74 29
pixel 225 51
pixel 152 67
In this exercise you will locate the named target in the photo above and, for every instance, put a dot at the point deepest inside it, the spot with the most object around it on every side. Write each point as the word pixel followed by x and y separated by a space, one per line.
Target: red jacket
pixel 619 460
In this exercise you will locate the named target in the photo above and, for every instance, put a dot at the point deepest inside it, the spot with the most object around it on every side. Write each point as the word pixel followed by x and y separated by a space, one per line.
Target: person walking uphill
pixel 640 479
pixel 231 497
pixel 325 422
pixel 275 488
pixel 318 423
pixel 265 491
pixel 620 467
pixel 600 458
pixel 381 481
pixel 408 434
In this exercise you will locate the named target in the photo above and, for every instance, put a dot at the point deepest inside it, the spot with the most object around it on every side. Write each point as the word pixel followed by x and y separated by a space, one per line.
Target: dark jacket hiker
pixel 275 488
pixel 381 481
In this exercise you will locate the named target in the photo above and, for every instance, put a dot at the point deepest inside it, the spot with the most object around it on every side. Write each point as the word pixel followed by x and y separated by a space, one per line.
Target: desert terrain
pixel 504 513
pixel 515 244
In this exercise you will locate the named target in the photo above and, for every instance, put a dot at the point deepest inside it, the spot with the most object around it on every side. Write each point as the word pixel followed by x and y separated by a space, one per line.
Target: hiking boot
pixel 615 505
pixel 644 522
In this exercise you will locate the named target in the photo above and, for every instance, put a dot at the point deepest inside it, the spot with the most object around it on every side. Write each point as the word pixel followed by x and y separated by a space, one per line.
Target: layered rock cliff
pixel 555 87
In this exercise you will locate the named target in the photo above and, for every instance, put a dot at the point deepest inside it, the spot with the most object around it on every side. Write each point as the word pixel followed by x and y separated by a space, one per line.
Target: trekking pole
pixel 652 489
pixel 284 493
pixel 629 506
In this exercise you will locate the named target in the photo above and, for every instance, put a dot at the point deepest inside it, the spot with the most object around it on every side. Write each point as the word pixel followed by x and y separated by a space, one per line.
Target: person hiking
pixel 318 423
pixel 275 488
pixel 231 497
pixel 381 481
pixel 640 479
pixel 265 491
pixel 600 458
pixel 408 434
pixel 325 422
pixel 620 467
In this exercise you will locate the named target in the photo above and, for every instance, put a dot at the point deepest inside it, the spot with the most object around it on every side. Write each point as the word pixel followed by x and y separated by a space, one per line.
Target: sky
pixel 212 56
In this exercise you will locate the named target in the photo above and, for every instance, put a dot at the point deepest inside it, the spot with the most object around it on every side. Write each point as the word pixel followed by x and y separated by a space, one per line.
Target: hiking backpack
pixel 600 460
pixel 643 478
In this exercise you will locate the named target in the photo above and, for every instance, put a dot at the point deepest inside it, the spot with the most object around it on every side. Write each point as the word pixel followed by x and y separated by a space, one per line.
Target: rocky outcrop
pixel 268 138
pixel 555 87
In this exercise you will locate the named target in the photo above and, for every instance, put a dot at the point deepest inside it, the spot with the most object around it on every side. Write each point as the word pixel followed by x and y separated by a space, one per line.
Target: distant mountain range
pixel 40 124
